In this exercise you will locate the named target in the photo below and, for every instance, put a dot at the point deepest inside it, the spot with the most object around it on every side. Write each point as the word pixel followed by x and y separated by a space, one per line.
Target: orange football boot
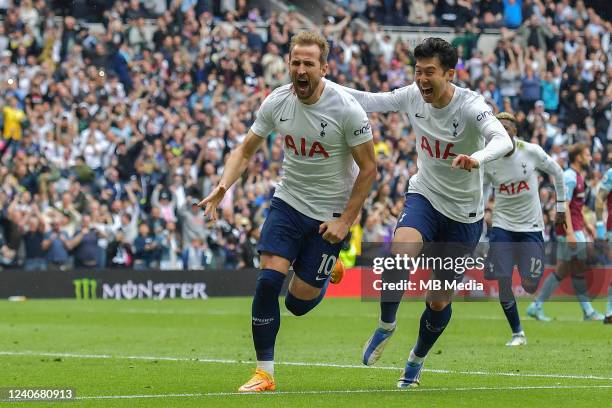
pixel 260 381
pixel 338 273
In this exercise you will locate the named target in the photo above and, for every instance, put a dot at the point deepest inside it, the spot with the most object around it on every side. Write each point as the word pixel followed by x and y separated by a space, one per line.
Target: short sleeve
pixel 569 177
pixel 264 123
pixel 357 128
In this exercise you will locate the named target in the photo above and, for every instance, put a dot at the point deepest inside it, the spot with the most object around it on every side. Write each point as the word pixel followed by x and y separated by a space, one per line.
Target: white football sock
pixel 415 359
pixel 386 326
pixel 267 366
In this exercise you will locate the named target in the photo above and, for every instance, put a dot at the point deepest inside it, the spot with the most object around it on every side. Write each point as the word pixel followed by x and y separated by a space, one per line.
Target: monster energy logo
pixel 85 288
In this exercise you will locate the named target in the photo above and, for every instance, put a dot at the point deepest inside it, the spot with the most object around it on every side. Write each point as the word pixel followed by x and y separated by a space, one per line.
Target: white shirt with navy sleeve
pixel 318 168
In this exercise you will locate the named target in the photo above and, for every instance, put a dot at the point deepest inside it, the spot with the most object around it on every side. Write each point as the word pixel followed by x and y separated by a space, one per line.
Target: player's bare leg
pixel 406 241
pixel 303 297
pixel 580 288
pixel 551 284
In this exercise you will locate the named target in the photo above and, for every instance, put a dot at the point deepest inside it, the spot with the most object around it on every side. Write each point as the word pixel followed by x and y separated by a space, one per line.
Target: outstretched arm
pixel 234 167
pixel 394 101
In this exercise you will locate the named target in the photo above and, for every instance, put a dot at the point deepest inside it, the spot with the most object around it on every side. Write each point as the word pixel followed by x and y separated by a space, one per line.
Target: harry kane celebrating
pixel 443 203
pixel 516 236
pixel 329 167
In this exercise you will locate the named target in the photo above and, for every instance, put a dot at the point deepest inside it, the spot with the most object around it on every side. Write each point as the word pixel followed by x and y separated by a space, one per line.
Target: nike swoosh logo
pixel 321 278
pixel 283 120
pixel 419 116
pixel 253 385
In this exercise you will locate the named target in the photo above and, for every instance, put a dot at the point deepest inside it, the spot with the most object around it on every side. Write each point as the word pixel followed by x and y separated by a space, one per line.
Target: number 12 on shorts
pixel 536 267
pixel 327 266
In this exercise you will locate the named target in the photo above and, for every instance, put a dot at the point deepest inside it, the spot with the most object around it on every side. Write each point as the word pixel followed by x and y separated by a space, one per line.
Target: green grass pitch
pixel 197 353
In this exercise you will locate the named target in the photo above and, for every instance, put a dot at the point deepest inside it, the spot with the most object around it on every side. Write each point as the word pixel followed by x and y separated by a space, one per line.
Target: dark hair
pixel 575 150
pixel 437 47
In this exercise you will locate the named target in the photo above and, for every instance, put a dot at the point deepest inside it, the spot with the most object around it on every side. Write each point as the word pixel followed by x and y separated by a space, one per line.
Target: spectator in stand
pixel 85 245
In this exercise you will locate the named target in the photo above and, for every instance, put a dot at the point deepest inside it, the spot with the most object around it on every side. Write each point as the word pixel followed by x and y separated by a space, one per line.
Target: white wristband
pixel 560 206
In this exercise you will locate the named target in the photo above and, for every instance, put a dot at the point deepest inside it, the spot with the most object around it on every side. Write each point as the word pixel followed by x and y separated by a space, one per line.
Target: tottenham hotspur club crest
pixel 524 168
pixel 455 125
pixel 323 126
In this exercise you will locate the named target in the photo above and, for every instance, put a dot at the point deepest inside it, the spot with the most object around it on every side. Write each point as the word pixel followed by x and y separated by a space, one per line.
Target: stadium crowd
pixel 111 138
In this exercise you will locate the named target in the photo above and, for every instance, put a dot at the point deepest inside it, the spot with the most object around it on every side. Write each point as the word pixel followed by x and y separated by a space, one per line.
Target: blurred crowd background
pixel 111 136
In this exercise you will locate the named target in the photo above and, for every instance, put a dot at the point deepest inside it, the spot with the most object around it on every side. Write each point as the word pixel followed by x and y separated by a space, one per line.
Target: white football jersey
pixel 318 168
pixel 459 128
pixel 515 183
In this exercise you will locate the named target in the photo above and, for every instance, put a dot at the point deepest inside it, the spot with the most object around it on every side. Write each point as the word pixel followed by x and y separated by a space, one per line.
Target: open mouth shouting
pixel 427 92
pixel 302 85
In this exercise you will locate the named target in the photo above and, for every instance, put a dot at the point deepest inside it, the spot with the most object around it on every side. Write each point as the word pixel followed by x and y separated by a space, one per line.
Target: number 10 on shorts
pixel 327 266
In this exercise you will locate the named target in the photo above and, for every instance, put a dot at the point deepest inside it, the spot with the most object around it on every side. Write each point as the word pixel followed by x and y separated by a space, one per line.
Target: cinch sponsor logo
pixel 363 130
pixel 439 151
pixel 513 188
pixel 483 115
pixel 304 149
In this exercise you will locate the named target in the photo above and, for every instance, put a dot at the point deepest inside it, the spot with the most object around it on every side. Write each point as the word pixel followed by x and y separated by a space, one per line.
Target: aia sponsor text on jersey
pixel 302 148
pixel 513 188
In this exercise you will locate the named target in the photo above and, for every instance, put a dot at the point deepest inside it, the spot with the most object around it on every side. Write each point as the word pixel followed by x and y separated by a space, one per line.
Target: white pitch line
pixel 297 363
pixel 317 392
pixel 206 312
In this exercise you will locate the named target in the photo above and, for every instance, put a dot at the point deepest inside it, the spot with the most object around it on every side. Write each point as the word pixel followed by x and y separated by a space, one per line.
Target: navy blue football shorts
pixel 443 236
pixel 295 237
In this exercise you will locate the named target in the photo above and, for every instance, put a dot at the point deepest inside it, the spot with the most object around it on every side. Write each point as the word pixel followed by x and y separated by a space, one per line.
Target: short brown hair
pixel 575 150
pixel 310 38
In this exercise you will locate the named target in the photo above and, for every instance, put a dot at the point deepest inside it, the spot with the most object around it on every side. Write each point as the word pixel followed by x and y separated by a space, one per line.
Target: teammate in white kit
pixel 516 237
pixel 604 196
pixel 329 167
pixel 443 203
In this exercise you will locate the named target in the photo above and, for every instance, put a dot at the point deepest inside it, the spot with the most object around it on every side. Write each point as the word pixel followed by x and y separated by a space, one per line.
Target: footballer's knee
pixel 274 262
pixel 438 305
pixel 439 299
pixel 299 306
pixel 407 241
pixel 562 270
pixel 530 285
pixel 302 297
pixel 302 290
